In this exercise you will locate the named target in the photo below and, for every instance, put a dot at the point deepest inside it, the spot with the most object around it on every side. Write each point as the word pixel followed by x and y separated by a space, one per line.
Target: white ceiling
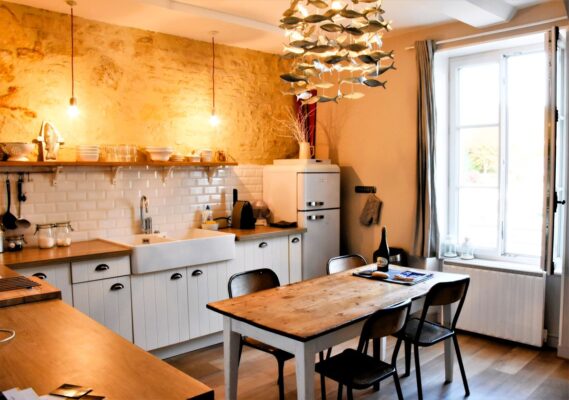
pixel 251 24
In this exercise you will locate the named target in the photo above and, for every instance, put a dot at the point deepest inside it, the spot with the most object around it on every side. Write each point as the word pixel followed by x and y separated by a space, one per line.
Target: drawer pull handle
pixel 315 203
pixel 295 240
pixel 117 286
pixel 40 275
pixel 176 276
pixel 101 267
pixel 197 272
pixel 315 217
pixel 262 245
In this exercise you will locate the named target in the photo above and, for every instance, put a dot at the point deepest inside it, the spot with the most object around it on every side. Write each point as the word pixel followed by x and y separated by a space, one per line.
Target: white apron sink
pixel 152 253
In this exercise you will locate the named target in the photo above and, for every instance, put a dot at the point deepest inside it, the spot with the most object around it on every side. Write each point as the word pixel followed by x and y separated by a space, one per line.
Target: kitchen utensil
pixel 8 219
pixel 21 222
pixel 242 215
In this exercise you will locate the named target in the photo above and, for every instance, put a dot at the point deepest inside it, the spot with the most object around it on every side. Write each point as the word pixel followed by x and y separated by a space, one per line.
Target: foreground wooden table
pixel 57 344
pixel 310 316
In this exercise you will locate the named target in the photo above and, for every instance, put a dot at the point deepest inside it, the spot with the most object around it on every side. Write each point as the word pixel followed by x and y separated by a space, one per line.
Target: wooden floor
pixel 495 370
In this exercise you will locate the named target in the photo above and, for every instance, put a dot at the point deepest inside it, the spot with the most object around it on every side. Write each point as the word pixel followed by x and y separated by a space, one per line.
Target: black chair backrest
pixel 344 263
pixel 384 322
pixel 252 281
pixel 444 293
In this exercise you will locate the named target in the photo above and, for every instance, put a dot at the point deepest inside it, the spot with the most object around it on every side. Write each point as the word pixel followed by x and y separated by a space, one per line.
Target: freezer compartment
pixel 321 241
pixel 318 191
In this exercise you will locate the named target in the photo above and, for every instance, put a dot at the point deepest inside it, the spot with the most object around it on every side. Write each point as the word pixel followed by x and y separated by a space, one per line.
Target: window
pixel 497 102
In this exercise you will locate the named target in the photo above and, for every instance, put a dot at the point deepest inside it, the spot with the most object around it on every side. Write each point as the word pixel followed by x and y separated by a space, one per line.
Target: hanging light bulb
pixel 73 110
pixel 214 119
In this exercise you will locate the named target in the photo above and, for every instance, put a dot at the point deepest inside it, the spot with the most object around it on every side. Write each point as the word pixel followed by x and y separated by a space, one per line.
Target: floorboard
pixel 495 369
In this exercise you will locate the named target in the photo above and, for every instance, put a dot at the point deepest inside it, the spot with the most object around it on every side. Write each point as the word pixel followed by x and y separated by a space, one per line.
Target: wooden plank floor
pixel 495 370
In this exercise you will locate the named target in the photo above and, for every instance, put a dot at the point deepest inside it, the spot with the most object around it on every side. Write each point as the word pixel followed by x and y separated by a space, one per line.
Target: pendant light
pixel 214 119
pixel 73 111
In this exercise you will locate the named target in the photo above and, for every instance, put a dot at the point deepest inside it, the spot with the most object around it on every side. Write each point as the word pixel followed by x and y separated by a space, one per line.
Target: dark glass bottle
pixel 381 255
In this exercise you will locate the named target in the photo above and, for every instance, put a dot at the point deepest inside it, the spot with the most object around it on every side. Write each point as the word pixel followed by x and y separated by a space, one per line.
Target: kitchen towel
pixel 371 211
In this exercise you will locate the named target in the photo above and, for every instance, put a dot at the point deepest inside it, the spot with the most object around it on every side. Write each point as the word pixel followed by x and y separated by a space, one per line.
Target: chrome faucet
pixel 145 219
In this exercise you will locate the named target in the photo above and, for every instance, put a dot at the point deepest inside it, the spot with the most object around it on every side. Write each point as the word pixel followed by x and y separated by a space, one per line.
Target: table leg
pixel 304 359
pixel 449 355
pixel 231 341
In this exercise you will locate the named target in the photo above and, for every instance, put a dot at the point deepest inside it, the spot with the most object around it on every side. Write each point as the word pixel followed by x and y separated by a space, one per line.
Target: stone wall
pixel 136 87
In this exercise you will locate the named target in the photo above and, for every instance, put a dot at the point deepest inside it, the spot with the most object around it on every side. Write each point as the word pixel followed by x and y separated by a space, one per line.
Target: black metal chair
pixel 422 333
pixel 249 282
pixel 357 370
pixel 344 263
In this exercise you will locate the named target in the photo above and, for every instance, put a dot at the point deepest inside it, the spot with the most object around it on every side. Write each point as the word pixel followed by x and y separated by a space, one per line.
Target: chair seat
pixel 278 353
pixel 432 333
pixel 354 369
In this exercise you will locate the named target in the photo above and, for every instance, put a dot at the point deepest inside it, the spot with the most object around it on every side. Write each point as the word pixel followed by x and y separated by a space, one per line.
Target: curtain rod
pixel 482 34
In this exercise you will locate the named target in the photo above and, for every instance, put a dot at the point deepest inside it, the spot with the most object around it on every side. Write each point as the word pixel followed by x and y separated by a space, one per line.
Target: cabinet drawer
pixel 268 253
pixel 108 302
pixel 58 275
pixel 101 268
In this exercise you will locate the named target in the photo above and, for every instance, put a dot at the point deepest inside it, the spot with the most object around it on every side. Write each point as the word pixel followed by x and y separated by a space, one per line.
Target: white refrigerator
pixel 308 192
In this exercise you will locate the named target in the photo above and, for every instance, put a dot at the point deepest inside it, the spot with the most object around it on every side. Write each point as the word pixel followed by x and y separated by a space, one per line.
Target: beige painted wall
pixel 374 139
pixel 136 87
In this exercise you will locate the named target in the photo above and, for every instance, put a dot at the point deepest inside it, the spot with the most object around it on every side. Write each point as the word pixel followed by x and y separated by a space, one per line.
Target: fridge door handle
pixel 315 217
pixel 315 203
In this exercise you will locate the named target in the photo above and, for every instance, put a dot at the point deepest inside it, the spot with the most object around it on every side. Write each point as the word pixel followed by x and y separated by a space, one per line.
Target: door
pixel 317 191
pixel 295 258
pixel 107 301
pixel 321 241
pixel 160 308
pixel 206 283
pixel 57 275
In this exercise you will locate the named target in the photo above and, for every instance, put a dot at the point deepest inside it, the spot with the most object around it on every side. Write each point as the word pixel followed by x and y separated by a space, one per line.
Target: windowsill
pixel 501 266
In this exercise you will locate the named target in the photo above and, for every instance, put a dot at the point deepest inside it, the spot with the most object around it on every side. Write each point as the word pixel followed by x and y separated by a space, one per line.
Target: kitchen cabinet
pixel 107 301
pixel 58 275
pixel 101 268
pixel 206 283
pixel 270 253
pixel 160 308
pixel 295 258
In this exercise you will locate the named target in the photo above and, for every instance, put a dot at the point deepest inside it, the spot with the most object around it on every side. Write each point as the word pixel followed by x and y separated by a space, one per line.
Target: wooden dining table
pixel 309 316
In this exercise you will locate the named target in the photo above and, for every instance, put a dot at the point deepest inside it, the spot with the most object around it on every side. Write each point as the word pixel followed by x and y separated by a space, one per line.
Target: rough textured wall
pixel 136 87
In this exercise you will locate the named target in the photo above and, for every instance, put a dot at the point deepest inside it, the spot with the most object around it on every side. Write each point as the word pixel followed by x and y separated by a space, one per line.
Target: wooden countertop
pixel 262 232
pixel 309 309
pixel 33 256
pixel 57 344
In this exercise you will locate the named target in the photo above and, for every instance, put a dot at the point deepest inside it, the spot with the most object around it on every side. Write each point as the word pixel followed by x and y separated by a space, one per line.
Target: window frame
pixel 500 57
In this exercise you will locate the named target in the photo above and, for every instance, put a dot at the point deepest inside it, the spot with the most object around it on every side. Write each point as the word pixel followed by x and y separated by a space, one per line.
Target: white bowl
pixel 18 151
pixel 84 157
pixel 160 155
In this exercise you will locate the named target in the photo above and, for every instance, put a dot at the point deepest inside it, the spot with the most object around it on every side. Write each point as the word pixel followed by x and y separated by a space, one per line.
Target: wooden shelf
pixel 53 164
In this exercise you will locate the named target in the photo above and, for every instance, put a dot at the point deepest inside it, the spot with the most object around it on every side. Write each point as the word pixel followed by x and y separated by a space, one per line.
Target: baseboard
pixel 190 345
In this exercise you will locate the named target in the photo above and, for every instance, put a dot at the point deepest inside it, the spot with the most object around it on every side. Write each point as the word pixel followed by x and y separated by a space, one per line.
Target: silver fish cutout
pixel 316 18
pixel 378 55
pixel 332 28
pixel 317 3
pixel 292 21
pixel 373 83
pixel 355 47
pixel 335 59
pixel 381 70
pixel 294 78
pixel 303 44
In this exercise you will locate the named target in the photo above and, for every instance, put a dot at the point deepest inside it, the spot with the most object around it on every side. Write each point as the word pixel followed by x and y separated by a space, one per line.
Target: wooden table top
pixel 262 232
pixel 312 308
pixel 37 293
pixel 57 344
pixel 34 256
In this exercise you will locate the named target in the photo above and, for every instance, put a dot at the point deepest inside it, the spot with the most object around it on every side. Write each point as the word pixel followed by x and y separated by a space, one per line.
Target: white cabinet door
pixel 101 268
pixel 160 308
pixel 58 275
pixel 268 253
pixel 318 191
pixel 108 302
pixel 206 283
pixel 295 258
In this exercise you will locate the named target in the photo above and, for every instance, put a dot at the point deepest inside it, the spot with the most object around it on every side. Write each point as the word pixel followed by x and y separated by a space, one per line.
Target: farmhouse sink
pixel 153 253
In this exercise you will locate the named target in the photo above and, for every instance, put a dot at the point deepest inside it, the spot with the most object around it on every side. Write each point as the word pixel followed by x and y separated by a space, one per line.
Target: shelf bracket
pixel 167 172
pixel 114 174
pixel 210 173
pixel 56 171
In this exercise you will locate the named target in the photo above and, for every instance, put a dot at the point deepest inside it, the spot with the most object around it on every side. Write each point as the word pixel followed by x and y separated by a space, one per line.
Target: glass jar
pixel 46 238
pixel 15 243
pixel 449 247
pixel 466 250
pixel 63 234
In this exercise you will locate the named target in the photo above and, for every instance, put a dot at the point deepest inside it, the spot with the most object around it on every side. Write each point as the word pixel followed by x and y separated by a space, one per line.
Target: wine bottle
pixel 381 255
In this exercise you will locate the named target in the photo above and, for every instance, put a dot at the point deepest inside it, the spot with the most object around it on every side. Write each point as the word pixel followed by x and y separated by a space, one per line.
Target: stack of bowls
pixel 159 153
pixel 87 153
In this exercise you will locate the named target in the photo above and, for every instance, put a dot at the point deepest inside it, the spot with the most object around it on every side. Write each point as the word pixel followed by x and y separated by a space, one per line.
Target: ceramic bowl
pixel 18 151
pixel 159 154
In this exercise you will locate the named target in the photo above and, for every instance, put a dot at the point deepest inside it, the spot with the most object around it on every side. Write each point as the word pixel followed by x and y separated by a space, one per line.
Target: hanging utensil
pixel 8 219
pixel 21 222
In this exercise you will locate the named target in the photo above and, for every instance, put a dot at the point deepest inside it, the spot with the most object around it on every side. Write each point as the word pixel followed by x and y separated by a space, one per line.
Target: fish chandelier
pixel 335 46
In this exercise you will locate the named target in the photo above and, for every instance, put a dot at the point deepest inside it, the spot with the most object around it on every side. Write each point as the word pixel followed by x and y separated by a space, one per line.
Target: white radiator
pixel 502 301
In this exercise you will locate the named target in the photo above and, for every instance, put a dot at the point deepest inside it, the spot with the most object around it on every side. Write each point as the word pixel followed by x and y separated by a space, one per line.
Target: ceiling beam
pixel 213 14
pixel 480 13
